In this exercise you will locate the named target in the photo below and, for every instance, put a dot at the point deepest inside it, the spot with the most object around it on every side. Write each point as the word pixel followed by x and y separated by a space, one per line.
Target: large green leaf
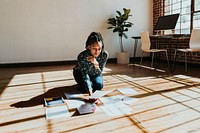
pixel 119 13
pixel 125 36
pixel 126 11
pixel 120 23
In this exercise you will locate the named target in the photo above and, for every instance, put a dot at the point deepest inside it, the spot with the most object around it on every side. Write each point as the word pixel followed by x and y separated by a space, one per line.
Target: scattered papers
pixel 116 109
pixel 98 94
pixel 113 105
pixel 118 98
pixel 74 103
pixel 73 95
pixel 53 101
pixel 55 108
pixel 86 108
pixel 57 112
pixel 111 99
pixel 127 91
pixel 129 100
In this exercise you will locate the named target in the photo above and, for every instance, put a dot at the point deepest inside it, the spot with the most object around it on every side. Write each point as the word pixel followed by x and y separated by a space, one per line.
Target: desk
pixel 135 46
pixel 170 42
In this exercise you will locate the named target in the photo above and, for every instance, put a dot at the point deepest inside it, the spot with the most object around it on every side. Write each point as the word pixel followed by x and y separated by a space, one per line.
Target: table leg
pixel 135 48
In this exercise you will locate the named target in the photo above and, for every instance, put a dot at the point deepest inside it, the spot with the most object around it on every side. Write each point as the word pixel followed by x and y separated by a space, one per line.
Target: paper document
pixel 74 103
pixel 56 112
pixel 73 95
pixel 53 101
pixel 86 108
pixel 118 98
pixel 127 91
pixel 111 99
pixel 129 100
pixel 116 109
pixel 98 94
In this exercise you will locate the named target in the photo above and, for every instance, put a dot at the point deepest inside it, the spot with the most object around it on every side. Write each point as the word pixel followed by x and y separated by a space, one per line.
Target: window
pixel 196 14
pixel 189 14
pixel 184 8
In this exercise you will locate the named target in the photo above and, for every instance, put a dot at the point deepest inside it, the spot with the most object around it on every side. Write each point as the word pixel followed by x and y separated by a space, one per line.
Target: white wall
pixel 56 30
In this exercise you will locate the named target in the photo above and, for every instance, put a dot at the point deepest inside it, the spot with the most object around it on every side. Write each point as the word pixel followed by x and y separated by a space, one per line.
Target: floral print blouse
pixel 87 68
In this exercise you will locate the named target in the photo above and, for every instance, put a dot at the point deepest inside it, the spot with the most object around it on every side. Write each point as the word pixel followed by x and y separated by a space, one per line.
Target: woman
pixel 88 71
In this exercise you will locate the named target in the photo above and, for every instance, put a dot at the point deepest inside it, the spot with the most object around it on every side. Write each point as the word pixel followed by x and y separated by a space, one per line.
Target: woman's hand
pixel 91 100
pixel 90 92
pixel 93 60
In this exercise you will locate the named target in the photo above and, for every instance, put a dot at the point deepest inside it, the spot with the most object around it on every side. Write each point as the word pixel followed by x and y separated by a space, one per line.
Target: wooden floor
pixel 167 102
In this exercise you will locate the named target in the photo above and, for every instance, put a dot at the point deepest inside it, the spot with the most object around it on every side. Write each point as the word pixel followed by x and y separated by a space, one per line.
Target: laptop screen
pixel 167 22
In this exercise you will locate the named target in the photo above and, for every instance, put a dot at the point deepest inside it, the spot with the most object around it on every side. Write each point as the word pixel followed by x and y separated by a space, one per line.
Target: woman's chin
pixel 96 55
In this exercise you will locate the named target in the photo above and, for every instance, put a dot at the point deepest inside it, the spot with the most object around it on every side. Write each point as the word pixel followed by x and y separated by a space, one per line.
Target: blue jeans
pixel 96 81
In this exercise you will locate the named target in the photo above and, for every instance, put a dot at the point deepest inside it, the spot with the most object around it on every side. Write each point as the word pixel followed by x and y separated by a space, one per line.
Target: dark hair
pixel 93 38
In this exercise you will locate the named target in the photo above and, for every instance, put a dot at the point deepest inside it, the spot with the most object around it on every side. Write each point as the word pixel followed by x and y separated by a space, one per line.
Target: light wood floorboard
pixel 166 102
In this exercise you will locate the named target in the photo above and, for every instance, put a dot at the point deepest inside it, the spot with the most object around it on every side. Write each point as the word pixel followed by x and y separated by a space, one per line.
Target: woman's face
pixel 95 48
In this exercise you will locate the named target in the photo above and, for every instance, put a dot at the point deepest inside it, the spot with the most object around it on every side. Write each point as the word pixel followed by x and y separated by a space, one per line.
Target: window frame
pixel 191 13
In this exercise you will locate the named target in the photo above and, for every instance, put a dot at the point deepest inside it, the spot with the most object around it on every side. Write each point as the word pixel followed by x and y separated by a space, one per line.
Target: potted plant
pixel 120 25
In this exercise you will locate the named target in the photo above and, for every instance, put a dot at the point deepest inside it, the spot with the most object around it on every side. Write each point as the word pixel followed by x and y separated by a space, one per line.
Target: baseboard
pixel 57 63
pixel 50 63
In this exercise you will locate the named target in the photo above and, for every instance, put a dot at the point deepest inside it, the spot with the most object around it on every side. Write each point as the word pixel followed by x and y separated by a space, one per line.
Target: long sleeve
pixel 84 67
pixel 87 68
pixel 102 59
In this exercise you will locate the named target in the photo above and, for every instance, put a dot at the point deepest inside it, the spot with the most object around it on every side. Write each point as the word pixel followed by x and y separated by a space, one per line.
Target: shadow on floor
pixel 38 100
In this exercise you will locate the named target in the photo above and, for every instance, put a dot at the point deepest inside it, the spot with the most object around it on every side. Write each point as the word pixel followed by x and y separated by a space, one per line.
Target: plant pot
pixel 123 58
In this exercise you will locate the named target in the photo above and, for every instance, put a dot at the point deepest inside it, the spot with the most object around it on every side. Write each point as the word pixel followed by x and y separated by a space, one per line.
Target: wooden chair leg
pixel 152 59
pixel 175 54
pixel 141 58
pixel 186 62
pixel 191 59
pixel 167 60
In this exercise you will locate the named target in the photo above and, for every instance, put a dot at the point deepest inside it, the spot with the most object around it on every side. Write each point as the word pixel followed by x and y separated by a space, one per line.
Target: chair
pixel 194 46
pixel 146 47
